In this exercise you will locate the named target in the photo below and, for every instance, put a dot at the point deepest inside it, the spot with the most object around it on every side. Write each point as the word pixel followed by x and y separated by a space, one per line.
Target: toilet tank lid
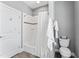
pixel 63 37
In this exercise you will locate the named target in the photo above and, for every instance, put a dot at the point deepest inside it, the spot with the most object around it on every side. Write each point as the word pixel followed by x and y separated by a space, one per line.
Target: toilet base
pixel 58 55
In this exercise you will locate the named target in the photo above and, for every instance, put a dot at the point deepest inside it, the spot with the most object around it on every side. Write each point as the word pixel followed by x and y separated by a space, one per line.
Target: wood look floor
pixel 24 55
pixel 28 55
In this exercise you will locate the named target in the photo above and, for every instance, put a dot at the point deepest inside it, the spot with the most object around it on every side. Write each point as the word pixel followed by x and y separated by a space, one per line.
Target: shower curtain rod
pixel 30 23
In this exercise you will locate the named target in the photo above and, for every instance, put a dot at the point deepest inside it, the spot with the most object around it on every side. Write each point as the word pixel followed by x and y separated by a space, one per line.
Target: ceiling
pixel 34 4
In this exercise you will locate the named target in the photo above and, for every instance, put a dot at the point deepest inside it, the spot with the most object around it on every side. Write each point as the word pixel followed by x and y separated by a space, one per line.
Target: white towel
pixel 50 35
pixel 56 28
pixel 56 25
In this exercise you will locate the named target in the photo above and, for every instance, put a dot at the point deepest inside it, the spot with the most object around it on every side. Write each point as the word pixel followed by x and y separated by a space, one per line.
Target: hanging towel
pixel 56 28
pixel 50 35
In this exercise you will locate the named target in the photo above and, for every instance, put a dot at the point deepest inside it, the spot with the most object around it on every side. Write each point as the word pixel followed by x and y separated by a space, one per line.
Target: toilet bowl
pixel 64 50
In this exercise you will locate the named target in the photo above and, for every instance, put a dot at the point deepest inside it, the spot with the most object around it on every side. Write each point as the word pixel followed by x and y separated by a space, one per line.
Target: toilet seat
pixel 65 52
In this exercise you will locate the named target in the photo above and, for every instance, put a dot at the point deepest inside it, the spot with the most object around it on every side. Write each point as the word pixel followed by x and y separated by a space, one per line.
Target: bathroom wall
pixel 64 13
pixel 77 28
pixel 20 6
pixel 51 9
pixel 40 9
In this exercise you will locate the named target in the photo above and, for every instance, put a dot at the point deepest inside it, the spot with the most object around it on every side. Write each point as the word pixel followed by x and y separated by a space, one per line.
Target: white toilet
pixel 64 50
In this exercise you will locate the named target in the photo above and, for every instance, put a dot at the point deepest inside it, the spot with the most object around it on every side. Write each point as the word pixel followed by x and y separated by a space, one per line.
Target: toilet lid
pixel 65 52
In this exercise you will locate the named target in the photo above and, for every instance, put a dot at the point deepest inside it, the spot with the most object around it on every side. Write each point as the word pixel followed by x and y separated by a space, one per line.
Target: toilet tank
pixel 64 42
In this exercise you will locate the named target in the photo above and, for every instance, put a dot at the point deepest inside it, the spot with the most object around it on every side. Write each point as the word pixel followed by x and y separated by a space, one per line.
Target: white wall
pixel 64 13
pixel 77 28
pixel 40 9
pixel 51 9
pixel 20 6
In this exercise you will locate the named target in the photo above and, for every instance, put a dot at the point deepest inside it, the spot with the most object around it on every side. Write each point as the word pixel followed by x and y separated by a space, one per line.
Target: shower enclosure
pixel 34 34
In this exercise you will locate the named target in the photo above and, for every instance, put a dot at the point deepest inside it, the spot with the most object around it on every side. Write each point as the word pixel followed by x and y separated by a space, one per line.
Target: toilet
pixel 64 50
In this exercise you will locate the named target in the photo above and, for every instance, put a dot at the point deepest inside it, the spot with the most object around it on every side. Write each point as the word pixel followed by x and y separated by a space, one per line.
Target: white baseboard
pixel 15 52
pixel 29 49
pixel 10 54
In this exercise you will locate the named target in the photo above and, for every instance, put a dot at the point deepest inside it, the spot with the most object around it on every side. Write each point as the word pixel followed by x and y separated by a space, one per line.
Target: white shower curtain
pixel 41 41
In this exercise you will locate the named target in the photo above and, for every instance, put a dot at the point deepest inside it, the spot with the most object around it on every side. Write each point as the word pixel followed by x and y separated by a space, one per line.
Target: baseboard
pixel 12 53
pixel 19 50
pixel 29 49
pixel 15 52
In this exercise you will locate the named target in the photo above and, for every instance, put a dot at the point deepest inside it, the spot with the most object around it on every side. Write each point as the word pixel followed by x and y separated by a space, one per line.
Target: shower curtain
pixel 41 41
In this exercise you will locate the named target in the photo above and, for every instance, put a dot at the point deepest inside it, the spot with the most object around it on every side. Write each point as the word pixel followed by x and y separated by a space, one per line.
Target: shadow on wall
pixel 64 13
